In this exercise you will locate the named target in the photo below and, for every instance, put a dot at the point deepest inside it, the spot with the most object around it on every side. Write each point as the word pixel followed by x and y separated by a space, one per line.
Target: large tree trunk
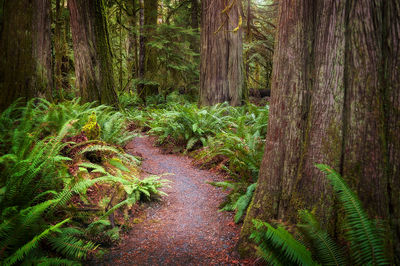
pixel 221 74
pixel 335 100
pixel 42 48
pixel 93 64
pixel 25 51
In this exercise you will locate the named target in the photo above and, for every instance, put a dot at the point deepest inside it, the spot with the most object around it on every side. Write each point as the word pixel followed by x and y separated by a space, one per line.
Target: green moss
pixel 91 128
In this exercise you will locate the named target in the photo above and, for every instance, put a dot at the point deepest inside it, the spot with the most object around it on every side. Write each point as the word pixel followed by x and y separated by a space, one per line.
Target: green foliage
pixel 321 244
pixel 278 247
pixel 91 128
pixel 366 241
pixel 36 183
pixel 228 138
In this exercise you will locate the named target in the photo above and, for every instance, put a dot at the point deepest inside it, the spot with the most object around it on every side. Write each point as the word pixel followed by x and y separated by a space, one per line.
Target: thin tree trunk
pixel 221 74
pixel 120 49
pixel 194 14
pixel 142 52
pixel 132 41
pixel 93 64
pixel 150 21
pixel 335 100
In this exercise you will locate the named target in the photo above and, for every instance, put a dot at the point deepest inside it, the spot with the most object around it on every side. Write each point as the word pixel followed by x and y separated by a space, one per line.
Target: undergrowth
pixel 64 175
pixel 312 245
pixel 229 139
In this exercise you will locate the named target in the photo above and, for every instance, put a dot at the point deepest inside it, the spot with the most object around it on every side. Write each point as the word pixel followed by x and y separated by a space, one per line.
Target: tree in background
pixel 62 46
pixel 260 29
pixel 221 73
pixel 92 52
pixel 335 100
pixel 25 51
pixel 147 55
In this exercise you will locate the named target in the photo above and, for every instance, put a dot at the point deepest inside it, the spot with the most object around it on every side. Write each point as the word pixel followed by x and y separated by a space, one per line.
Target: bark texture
pixel 61 61
pixel 148 54
pixel 25 51
pixel 335 100
pixel 221 69
pixel 92 54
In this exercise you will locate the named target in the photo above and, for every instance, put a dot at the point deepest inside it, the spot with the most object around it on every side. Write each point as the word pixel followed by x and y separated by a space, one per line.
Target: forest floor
pixel 183 228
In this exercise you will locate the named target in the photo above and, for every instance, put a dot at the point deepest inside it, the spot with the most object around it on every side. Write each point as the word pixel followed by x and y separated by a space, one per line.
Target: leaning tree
pixel 221 69
pixel 335 100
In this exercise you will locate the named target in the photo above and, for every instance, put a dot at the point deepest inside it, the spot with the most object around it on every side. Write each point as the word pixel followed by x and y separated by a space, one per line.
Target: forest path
pixel 185 227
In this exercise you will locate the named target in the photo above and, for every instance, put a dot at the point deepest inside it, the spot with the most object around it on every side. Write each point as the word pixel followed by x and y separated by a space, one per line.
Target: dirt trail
pixel 185 228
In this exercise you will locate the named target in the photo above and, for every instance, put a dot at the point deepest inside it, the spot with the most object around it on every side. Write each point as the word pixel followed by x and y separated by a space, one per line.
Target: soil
pixel 183 228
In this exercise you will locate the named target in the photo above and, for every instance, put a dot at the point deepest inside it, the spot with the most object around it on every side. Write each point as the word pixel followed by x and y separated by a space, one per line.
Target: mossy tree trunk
pixel 132 50
pixel 194 24
pixel 335 100
pixel 25 51
pixel 61 47
pixel 148 54
pixel 92 54
pixel 221 69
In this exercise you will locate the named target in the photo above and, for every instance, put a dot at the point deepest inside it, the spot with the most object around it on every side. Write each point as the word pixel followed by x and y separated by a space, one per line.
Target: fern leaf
pixel 287 250
pixel 366 244
pixel 326 250
pixel 28 247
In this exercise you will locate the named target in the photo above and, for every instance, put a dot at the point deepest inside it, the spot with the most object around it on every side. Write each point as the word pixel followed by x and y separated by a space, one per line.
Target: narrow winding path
pixel 185 228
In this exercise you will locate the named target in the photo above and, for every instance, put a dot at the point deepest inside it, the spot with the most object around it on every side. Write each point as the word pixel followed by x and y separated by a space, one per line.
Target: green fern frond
pixel 243 202
pixel 28 247
pixel 285 249
pixel 325 249
pixel 71 246
pixel 366 243
pixel 46 261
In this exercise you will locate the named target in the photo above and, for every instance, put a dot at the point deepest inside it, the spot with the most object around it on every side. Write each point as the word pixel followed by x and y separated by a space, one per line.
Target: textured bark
pixel 60 48
pixel 92 54
pixel 221 74
pixel 142 51
pixel 335 100
pixel 149 55
pixel 133 60
pixel 194 15
pixel 25 51
pixel 41 29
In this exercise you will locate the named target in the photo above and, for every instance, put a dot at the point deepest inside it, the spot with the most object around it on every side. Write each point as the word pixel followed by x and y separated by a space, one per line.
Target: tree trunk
pixel 25 51
pixel 43 83
pixel 221 74
pixel 194 14
pixel 142 52
pixel 335 100
pixel 149 64
pixel 132 40
pixel 93 64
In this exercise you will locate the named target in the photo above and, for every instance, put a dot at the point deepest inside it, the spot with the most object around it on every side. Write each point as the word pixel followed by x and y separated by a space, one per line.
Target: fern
pixel 69 245
pixel 28 247
pixel 366 243
pixel 243 202
pixel 325 249
pixel 279 247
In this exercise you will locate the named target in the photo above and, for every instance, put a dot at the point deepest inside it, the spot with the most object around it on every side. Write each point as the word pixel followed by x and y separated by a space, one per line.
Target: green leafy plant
pixel 278 247
pixel 42 180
